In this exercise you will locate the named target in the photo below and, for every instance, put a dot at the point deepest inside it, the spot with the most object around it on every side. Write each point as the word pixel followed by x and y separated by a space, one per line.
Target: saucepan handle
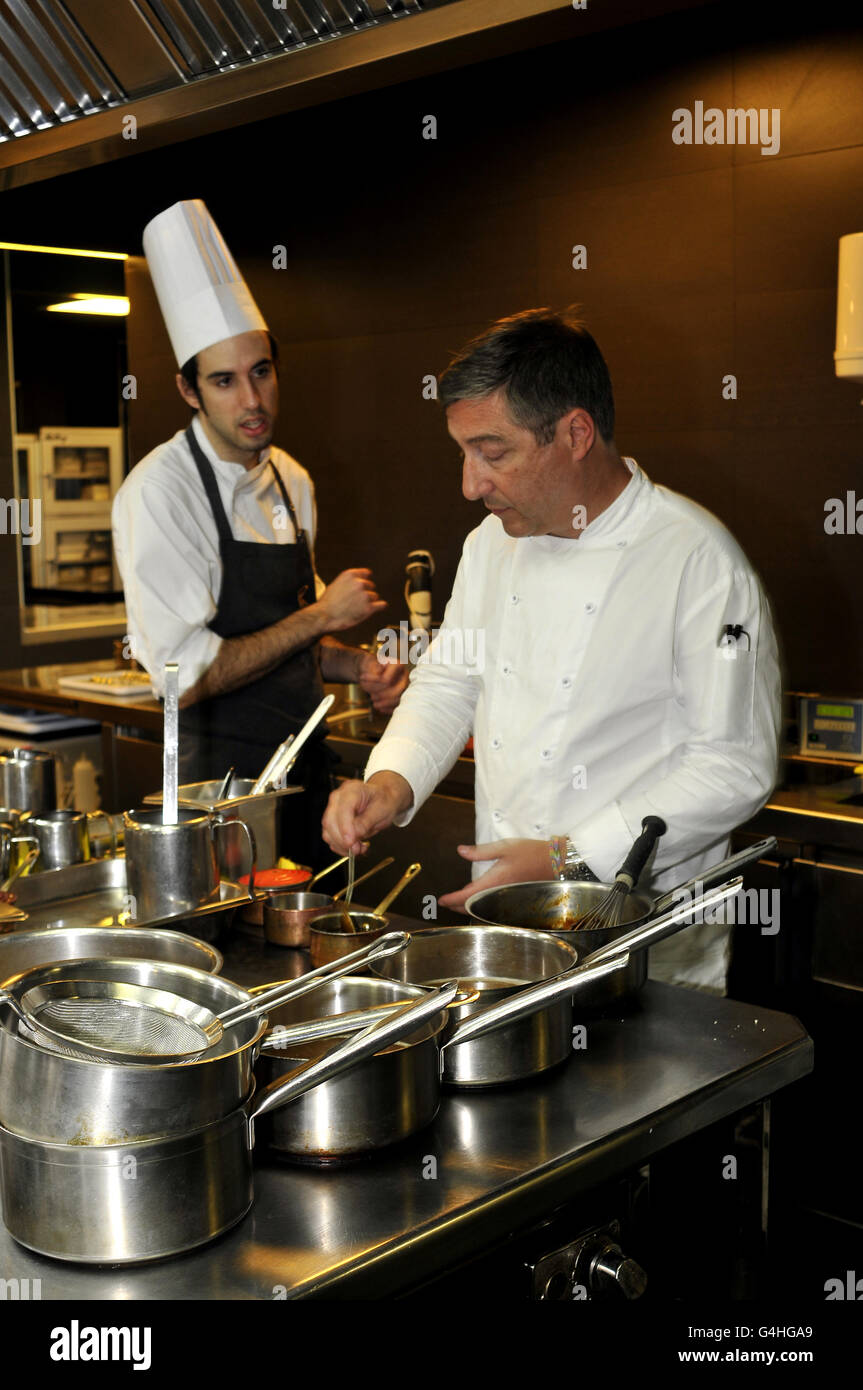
pixel 337 1025
pixel 347 1054
pixel 112 831
pixel 658 928
pixel 388 945
pixel 7 998
pixel 26 863
pixel 409 874
pixel 361 878
pixel 219 819
pixel 716 873
pixel 605 961
pixel 531 1000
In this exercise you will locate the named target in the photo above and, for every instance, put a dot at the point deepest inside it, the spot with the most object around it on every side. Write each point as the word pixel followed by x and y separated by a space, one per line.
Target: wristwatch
pixel 570 865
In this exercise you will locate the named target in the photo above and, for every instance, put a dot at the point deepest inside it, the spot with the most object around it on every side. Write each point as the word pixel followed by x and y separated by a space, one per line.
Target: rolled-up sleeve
pixel 168 571
pixel 727 710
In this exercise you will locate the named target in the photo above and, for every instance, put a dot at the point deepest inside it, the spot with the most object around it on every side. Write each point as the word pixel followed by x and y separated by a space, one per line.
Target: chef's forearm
pixel 339 663
pixel 241 660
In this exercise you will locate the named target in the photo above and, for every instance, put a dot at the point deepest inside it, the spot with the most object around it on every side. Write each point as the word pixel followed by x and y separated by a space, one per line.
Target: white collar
pixel 619 512
pixel 616 518
pixel 236 473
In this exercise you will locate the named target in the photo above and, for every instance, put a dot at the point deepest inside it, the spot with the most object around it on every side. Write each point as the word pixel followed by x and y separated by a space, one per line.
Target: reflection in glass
pixel 68 351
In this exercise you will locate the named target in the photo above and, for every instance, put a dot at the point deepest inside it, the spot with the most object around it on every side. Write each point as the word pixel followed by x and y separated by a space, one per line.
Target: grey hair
pixel 547 364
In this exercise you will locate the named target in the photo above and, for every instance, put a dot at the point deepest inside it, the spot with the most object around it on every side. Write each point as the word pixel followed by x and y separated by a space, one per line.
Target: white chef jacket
pixel 167 545
pixel 591 675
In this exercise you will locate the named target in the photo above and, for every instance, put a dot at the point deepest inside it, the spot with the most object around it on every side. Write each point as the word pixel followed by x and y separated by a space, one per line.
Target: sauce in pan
pixel 480 983
pixel 314 1048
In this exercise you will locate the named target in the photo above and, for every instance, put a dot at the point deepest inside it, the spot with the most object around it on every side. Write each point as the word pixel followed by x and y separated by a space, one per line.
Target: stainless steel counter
pixel 491 1161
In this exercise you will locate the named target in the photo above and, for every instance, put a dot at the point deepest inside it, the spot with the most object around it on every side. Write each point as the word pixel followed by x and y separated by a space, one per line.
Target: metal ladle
pixel 170 776
pixel 368 924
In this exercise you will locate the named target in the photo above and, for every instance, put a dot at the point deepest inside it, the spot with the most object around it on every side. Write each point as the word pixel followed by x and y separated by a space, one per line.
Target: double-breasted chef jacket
pixel 601 685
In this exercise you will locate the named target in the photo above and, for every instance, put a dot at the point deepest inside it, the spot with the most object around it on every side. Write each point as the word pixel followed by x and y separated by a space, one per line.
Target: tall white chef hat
pixel 202 295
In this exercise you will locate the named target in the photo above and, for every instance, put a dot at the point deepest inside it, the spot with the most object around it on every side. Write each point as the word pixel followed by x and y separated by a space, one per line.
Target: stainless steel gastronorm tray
pixel 96 895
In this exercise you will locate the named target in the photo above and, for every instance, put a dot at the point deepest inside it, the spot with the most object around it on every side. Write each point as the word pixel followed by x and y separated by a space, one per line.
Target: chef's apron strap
pixel 302 538
pixel 307 569
pixel 211 487
pixel 287 500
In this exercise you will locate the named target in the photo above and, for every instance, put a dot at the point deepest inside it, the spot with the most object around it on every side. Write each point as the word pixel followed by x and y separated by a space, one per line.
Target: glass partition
pixel 66 320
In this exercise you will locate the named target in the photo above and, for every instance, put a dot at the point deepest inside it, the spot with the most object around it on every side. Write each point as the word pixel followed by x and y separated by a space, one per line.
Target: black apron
pixel 262 583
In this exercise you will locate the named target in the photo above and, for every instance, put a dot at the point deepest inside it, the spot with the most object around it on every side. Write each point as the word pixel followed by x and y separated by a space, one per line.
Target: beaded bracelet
pixel 557 849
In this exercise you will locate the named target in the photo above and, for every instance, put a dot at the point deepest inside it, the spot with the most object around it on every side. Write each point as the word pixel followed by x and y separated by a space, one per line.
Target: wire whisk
pixel 609 910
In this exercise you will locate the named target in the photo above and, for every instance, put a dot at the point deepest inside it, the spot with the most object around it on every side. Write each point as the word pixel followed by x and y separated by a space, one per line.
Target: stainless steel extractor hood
pixel 62 60
pixel 72 72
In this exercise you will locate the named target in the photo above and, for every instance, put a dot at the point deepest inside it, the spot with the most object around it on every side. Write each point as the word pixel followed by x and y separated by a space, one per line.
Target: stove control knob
pixel 611 1270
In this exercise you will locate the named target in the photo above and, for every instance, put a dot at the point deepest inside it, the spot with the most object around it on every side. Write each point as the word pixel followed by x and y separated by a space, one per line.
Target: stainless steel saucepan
pixel 53 1098
pixel 500 962
pixel 145 1200
pixel 395 1093
pixel 384 1100
pixel 557 907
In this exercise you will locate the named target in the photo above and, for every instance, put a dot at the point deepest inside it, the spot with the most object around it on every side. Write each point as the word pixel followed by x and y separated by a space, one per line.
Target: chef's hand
pixel 350 599
pixel 384 681
pixel 516 861
pixel 357 810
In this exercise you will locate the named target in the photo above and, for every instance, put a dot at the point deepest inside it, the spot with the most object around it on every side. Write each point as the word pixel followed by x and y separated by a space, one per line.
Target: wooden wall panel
pixel 702 261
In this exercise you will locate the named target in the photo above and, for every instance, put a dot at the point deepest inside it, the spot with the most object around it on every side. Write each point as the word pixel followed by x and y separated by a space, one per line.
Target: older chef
pixel 214 532
pixel 607 643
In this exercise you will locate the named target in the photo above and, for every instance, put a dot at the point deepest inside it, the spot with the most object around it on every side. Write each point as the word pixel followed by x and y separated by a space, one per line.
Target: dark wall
pixel 702 261
pixel 67 366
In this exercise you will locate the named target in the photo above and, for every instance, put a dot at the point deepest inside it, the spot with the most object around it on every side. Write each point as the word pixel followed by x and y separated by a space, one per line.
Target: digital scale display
pixel 832 728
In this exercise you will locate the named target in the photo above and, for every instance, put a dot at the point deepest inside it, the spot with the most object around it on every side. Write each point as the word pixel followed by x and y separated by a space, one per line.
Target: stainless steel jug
pixel 64 836
pixel 28 780
pixel 172 868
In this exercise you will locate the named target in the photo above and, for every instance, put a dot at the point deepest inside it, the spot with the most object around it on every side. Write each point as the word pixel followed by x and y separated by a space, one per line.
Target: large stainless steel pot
pixel 54 1098
pixel 143 1201
pixel 23 950
pixel 556 907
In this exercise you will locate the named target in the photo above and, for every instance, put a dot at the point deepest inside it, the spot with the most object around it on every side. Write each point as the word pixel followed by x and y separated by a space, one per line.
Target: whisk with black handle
pixel 609 910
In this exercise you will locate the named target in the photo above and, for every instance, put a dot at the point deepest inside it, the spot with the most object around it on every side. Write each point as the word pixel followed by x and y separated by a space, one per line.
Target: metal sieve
pixel 119 1021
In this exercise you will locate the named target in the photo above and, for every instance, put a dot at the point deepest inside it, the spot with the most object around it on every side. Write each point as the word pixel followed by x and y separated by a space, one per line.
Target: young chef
pixel 214 532
pixel 607 643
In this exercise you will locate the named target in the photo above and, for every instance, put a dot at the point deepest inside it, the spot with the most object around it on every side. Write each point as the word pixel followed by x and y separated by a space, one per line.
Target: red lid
pixel 278 878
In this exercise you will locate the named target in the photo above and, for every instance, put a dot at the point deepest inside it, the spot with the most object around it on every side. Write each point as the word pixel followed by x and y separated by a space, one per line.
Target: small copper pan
pixel 329 941
pixel 287 916
pixel 330 938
